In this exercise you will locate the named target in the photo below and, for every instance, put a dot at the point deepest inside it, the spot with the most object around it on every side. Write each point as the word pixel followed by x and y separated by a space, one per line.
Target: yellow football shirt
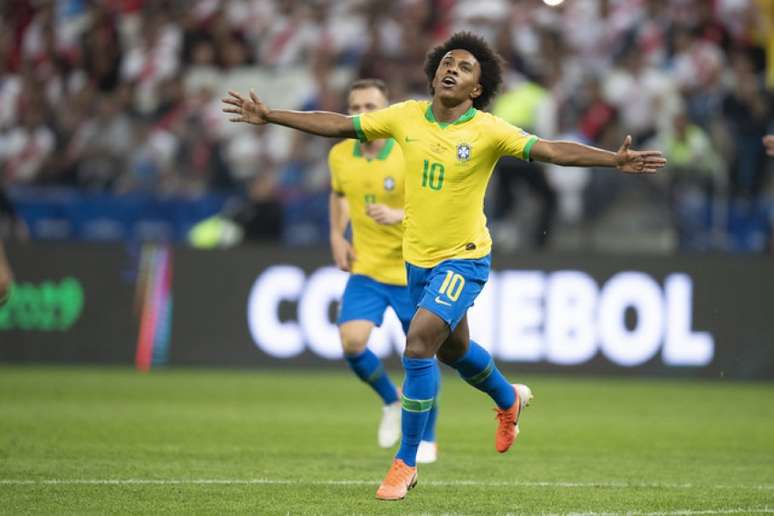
pixel 364 181
pixel 448 167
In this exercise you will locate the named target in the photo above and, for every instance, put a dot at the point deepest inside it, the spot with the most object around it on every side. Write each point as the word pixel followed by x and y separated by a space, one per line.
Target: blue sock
pixel 429 434
pixel 369 368
pixel 419 390
pixel 478 369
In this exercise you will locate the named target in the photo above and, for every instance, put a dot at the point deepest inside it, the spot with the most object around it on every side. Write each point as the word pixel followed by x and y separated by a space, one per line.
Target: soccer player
pixel 6 278
pixel 449 148
pixel 367 188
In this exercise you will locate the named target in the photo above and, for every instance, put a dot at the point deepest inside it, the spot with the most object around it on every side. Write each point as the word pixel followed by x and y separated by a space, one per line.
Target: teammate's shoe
pixel 427 452
pixel 508 428
pixel 389 427
pixel 398 481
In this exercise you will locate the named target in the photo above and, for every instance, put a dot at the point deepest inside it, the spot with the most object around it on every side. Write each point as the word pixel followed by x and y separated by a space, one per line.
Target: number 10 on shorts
pixel 452 285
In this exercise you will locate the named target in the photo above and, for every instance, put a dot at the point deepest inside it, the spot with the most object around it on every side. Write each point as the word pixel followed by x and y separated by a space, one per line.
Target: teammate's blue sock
pixel 419 390
pixel 429 433
pixel 477 367
pixel 369 368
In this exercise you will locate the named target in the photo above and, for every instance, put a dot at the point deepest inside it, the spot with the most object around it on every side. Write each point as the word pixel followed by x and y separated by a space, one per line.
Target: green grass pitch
pixel 109 441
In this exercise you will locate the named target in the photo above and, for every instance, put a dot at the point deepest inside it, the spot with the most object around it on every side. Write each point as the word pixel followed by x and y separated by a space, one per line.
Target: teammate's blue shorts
pixel 367 299
pixel 449 288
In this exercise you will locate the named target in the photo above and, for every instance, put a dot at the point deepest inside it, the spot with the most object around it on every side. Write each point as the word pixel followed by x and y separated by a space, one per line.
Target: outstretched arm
pixel 579 155
pixel 252 110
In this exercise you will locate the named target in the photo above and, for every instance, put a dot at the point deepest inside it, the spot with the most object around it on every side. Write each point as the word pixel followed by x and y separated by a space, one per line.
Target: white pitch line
pixel 685 512
pixel 431 483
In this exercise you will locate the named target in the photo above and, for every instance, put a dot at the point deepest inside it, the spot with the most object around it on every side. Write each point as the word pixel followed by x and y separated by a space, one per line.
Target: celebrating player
pixel 449 148
pixel 367 187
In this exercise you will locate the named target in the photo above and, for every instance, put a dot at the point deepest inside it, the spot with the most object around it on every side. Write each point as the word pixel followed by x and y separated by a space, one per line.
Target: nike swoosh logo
pixel 411 140
pixel 441 301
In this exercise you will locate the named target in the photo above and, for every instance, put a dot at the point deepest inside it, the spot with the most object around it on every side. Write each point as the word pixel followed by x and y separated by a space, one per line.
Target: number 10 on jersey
pixel 432 175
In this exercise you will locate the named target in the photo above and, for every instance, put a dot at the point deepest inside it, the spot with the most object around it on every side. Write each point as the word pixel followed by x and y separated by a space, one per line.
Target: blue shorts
pixel 367 299
pixel 449 288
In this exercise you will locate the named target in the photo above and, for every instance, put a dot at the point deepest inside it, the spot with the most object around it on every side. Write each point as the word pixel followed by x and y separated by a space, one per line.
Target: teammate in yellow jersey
pixel 367 189
pixel 450 149
pixel 6 277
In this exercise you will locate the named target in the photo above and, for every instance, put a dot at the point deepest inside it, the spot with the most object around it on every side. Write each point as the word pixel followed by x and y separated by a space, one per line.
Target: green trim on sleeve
pixel 528 148
pixel 359 129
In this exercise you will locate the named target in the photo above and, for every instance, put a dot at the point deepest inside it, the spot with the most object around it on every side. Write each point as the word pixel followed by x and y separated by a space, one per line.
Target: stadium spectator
pixel 522 106
pixel 152 58
pixel 75 74
pixel 101 145
pixel 645 96
pixel 101 48
pixel 695 172
pixel 10 82
pixel 27 149
pixel 748 111
pixel 293 36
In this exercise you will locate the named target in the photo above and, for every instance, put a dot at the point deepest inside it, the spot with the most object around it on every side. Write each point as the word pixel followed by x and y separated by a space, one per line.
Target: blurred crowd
pixel 122 96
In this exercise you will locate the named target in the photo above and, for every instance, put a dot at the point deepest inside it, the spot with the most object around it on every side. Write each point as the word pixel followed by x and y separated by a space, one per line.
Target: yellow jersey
pixel 448 167
pixel 363 181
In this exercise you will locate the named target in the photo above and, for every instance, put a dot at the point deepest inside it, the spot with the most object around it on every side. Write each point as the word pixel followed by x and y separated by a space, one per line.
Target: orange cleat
pixel 398 481
pixel 508 428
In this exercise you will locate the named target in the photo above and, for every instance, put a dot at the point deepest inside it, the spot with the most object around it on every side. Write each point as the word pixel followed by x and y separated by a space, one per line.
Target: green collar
pixel 467 115
pixel 358 151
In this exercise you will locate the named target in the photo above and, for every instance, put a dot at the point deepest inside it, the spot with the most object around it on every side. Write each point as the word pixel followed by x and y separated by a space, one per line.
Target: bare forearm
pixel 572 154
pixel 321 123
pixel 625 160
pixel 339 215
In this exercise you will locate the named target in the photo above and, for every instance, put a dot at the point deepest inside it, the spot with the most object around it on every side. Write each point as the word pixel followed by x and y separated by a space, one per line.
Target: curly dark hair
pixel 489 60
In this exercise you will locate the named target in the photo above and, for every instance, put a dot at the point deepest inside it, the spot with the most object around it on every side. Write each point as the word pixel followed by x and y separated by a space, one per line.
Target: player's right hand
pixel 251 110
pixel 343 253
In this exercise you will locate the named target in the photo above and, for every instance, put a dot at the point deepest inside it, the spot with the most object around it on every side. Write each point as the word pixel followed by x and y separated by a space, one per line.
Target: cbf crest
pixel 463 151
pixel 389 183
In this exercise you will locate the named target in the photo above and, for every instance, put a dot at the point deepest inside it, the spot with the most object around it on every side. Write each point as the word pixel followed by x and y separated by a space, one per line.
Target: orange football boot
pixel 508 427
pixel 398 481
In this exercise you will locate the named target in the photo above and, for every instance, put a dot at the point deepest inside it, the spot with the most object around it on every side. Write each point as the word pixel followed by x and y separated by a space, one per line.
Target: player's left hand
pixel 384 214
pixel 638 162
